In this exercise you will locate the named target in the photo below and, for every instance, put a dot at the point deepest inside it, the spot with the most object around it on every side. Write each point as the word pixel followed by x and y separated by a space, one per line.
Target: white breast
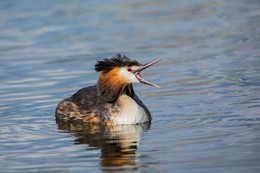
pixel 130 112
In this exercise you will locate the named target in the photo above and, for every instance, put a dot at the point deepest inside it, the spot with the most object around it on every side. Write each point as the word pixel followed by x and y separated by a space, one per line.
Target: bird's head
pixel 119 72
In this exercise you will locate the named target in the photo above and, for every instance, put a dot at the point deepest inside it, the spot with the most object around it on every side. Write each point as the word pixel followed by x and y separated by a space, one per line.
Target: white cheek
pixel 129 76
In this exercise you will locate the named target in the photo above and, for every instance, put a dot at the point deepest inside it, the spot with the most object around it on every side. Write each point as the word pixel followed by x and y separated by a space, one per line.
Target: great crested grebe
pixel 112 100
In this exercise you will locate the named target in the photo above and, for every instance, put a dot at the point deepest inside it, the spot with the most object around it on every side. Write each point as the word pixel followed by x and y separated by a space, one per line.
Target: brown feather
pixel 111 84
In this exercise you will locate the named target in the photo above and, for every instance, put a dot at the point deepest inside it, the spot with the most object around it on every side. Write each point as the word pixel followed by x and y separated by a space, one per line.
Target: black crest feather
pixel 116 61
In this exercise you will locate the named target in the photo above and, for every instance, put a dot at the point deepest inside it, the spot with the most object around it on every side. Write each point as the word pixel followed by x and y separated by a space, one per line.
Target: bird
pixel 112 101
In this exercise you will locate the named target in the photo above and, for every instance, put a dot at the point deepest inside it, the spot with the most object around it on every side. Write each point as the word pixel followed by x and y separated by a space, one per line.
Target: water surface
pixel 205 116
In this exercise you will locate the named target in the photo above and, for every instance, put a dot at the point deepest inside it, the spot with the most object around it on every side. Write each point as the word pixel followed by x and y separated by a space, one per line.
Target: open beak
pixel 141 68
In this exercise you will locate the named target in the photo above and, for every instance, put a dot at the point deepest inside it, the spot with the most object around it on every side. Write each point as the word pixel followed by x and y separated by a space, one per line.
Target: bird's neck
pixel 111 95
pixel 110 87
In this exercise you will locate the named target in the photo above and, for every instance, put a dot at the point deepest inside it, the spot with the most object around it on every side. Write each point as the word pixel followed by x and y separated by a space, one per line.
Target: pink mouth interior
pixel 138 76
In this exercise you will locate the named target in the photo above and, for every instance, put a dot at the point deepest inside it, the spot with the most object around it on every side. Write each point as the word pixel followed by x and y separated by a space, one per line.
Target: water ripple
pixel 205 116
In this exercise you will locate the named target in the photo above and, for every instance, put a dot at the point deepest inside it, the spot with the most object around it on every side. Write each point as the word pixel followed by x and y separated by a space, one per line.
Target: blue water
pixel 206 116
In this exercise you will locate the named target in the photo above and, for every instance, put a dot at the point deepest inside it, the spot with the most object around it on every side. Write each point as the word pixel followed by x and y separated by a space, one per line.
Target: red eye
pixel 129 69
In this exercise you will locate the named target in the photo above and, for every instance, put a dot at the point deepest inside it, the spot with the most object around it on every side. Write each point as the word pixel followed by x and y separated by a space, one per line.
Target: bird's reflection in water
pixel 117 144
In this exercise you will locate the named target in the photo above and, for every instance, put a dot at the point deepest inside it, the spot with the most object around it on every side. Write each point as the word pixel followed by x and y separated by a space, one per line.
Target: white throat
pixel 130 113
